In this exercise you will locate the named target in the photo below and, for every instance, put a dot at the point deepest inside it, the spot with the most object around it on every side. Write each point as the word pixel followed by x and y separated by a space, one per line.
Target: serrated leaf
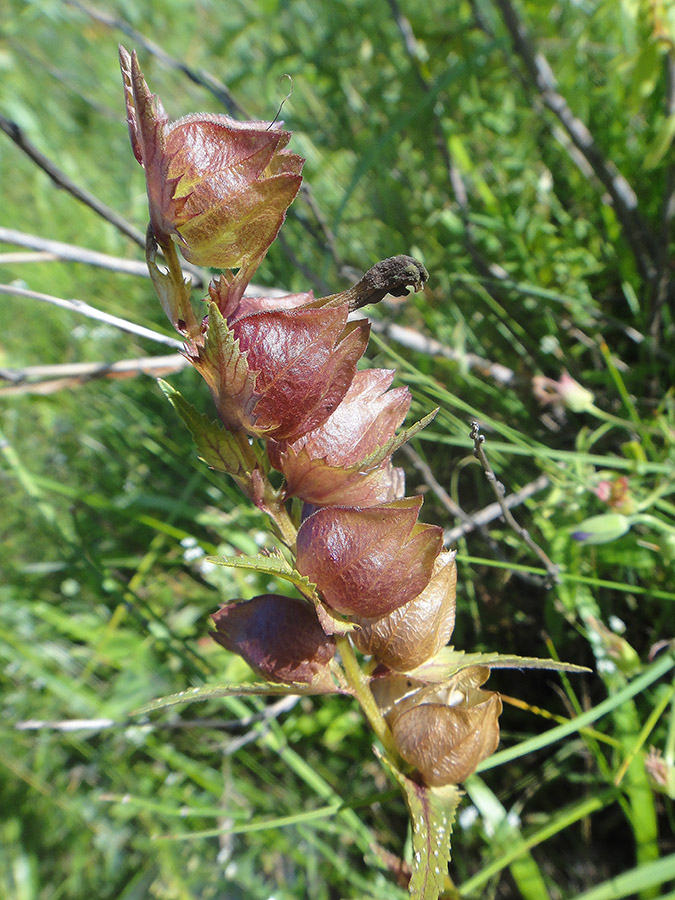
pixel 378 456
pixel 274 565
pixel 432 813
pixel 449 662
pixel 224 366
pixel 222 450
pixel 214 691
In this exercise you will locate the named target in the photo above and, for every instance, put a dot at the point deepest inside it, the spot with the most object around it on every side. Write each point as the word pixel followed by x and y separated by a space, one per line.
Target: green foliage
pixel 432 813
pixel 108 514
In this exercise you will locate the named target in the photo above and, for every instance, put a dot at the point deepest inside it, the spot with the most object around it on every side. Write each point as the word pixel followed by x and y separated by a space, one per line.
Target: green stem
pixel 171 287
pixel 358 682
pixel 287 530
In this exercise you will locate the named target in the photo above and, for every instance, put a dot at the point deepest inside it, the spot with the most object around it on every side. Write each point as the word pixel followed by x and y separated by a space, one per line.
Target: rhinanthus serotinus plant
pixel 376 590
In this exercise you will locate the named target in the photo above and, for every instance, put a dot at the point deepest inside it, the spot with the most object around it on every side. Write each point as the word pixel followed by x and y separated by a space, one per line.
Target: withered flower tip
pixel 219 186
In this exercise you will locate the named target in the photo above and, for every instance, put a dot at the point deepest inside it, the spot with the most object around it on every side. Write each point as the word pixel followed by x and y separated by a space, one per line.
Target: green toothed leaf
pixel 449 661
pixel 274 564
pixel 378 456
pixel 432 813
pixel 213 691
pixel 222 450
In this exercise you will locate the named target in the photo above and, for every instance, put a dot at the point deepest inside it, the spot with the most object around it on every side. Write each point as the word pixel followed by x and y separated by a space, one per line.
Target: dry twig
pixel 52 250
pixel 500 492
pixel 49 379
pixel 79 306
pixel 61 180
pixel 493 511
pixel 623 197
pixel 491 270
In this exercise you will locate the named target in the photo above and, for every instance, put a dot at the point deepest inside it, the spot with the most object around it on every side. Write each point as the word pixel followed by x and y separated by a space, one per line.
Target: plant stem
pixel 358 682
pixel 281 518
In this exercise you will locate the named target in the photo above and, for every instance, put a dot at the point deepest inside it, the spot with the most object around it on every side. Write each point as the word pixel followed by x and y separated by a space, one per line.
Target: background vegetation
pixel 426 131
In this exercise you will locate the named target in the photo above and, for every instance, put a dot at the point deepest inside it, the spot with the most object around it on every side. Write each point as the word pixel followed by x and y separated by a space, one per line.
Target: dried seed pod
pixel 413 633
pixel 444 731
pixel 368 562
pixel 280 637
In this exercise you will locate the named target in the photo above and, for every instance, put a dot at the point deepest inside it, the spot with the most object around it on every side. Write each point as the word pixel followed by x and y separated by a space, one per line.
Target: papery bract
pixel 279 374
pixel 416 631
pixel 220 186
pixel 368 562
pixel 327 466
pixel 280 638
pixel 446 732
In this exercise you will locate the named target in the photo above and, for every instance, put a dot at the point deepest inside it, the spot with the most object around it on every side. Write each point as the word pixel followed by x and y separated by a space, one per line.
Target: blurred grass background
pixel 424 133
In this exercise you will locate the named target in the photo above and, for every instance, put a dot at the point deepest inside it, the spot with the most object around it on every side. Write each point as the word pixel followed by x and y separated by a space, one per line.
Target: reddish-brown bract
pixel 328 466
pixel 416 631
pixel 219 186
pixel 279 374
pixel 280 637
pixel 368 562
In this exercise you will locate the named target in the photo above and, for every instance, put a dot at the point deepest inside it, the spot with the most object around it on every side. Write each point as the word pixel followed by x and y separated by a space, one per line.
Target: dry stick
pixel 453 508
pixel 494 510
pixel 500 492
pixel 406 337
pixel 55 378
pixel 12 259
pixel 477 520
pixel 577 157
pixel 273 710
pixel 622 194
pixel 79 306
pixel 61 180
pixel 198 76
pixel 413 340
pixel 73 253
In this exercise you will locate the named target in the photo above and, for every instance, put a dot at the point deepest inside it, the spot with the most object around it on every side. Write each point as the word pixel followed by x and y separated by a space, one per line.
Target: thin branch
pixel 439 491
pixel 198 76
pixel 271 711
pixel 49 379
pixel 623 196
pixel 60 179
pixel 74 253
pixel 474 521
pixel 13 259
pixel 493 511
pixel 500 492
pixel 79 306
pixel 413 340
